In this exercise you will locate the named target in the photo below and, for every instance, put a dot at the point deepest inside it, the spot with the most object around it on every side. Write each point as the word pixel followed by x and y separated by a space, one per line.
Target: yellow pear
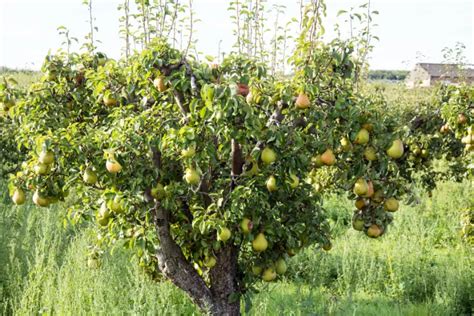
pixel 396 149
pixel 345 144
pixel 113 166
pixel 302 101
pixel 361 187
pixel 39 200
pixel 159 84
pixel 269 275
pixel 374 231
pixel 271 184
pixel 328 158
pixel 260 243
pixel 360 203
pixel 362 137
pixel 391 204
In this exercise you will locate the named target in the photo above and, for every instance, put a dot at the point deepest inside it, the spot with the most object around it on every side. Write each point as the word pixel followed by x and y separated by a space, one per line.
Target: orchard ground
pixel 421 266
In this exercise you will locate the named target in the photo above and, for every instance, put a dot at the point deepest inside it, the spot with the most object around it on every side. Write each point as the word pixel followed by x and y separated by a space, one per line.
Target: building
pixel 427 75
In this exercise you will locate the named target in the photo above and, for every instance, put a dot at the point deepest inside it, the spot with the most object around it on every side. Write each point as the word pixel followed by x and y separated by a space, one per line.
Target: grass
pixel 421 267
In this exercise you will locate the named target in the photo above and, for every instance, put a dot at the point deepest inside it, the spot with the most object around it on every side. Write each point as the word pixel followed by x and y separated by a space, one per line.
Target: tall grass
pixel 421 267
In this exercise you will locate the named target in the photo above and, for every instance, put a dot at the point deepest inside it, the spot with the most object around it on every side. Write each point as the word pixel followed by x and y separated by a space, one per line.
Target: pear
pixel 391 204
pixel 41 169
pixel 271 184
pixel 268 156
pixel 159 84
pixel 210 262
pixel 361 187
pixel 345 144
pixel 295 181
pixel 253 170
pixel 46 157
pixel 317 161
pixel 328 158
pixel 188 152
pixel 39 200
pixel 115 205
pixel 246 225
pixel 260 243
pixel 462 119
pixel 302 101
pixel 360 203
pixel 191 176
pixel 257 270
pixel 89 177
pixel 362 137
pixel 18 196
pixel 378 196
pixel 109 101
pixel 396 149
pixel 269 275
pixel 327 246
pixel 158 192
pixel 224 234
pixel 370 154
pixel 358 222
pixel 374 231
pixel 370 189
pixel 113 166
pixel 280 266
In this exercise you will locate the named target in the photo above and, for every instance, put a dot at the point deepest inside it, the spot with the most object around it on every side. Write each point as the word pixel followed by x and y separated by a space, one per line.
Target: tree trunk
pixel 225 282
pixel 221 298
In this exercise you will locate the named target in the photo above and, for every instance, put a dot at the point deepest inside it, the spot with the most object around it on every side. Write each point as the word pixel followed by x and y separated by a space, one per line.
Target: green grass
pixel 421 267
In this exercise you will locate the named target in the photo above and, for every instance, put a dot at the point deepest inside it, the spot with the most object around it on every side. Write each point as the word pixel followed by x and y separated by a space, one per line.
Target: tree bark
pixel 224 282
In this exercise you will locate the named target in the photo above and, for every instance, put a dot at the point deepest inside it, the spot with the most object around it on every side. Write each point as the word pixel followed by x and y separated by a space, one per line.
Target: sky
pixel 410 31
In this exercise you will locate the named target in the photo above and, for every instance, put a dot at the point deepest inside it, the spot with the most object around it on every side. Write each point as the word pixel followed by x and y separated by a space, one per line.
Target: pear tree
pixel 214 190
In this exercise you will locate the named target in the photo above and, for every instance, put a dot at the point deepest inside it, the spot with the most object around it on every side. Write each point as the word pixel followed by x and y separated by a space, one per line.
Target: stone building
pixel 427 75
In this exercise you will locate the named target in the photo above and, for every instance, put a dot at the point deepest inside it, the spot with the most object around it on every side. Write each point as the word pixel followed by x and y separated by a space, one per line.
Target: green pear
pixel 280 266
pixel 295 181
pixel 224 234
pixel 362 137
pixel 192 177
pixel 158 192
pixel 46 157
pixel 370 154
pixel 210 262
pixel 90 177
pixel 257 270
pixel 396 149
pixel 269 275
pixel 391 204
pixel 268 156
pixel 18 196
pixel 246 225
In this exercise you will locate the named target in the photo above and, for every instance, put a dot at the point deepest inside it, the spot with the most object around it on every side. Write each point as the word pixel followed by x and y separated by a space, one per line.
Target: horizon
pixel 427 28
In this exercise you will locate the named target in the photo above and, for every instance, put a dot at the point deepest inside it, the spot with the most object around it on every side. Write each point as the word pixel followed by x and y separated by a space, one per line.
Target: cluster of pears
pixel 108 208
pixel 468 140
pixel 418 152
pixel 42 167
pixel 368 202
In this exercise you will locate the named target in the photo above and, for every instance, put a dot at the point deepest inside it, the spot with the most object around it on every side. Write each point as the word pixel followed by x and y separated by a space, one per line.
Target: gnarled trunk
pixel 221 298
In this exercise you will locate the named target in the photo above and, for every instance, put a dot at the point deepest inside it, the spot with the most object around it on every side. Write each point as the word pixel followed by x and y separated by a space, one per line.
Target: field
pixel 421 267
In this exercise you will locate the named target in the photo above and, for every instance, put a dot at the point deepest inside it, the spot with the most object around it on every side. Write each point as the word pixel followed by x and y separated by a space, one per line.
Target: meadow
pixel 422 266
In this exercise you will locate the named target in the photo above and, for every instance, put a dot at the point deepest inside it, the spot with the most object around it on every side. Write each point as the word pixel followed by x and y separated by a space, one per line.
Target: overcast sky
pixel 409 30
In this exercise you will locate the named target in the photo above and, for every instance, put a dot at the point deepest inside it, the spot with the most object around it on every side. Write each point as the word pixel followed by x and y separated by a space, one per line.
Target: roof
pixel 447 70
